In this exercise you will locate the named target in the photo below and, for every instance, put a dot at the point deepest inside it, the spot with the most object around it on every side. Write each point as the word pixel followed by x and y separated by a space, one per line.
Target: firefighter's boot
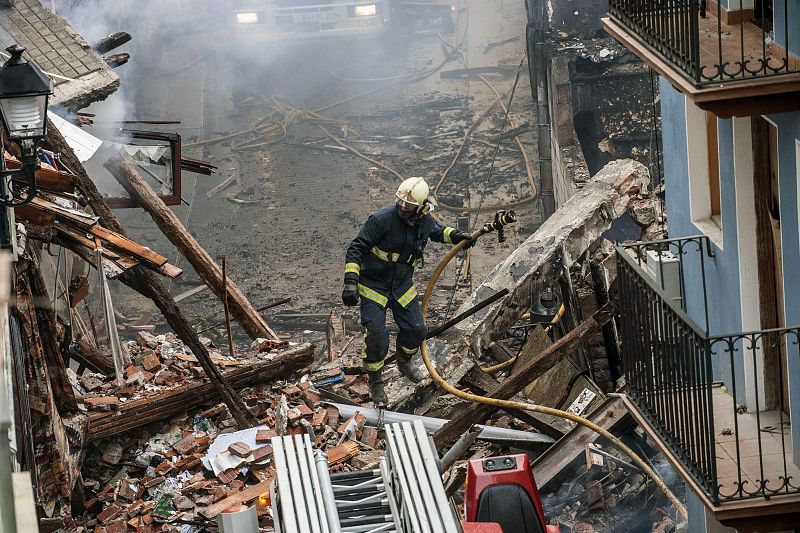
pixel 409 367
pixel 376 391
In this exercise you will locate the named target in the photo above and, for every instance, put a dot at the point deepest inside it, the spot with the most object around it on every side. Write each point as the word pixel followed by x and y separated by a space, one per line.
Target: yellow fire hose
pixel 506 404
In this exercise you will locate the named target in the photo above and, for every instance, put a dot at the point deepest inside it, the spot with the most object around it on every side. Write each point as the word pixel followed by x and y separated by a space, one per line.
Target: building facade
pixel 709 317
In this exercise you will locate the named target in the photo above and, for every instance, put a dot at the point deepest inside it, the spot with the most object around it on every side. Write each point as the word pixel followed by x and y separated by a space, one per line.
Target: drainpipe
pixel 537 67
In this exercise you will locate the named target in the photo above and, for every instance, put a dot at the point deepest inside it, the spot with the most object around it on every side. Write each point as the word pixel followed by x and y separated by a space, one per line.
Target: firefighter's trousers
pixel 376 335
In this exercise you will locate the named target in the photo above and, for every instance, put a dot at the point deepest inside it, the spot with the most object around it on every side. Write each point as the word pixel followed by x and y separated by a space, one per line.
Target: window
pixel 703 154
pixel 712 146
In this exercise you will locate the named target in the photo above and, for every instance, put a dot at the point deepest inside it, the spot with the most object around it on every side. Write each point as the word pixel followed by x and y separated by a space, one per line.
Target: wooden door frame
pixel 770 288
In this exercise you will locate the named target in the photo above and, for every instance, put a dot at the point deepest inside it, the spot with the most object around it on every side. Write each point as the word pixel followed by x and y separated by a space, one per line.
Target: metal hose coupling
pixel 501 219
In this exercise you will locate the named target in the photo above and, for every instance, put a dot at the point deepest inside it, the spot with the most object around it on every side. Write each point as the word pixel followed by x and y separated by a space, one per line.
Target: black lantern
pixel 24 92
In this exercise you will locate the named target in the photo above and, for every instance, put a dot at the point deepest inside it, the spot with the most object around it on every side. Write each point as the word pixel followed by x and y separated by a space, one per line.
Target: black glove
pixel 459 236
pixel 350 293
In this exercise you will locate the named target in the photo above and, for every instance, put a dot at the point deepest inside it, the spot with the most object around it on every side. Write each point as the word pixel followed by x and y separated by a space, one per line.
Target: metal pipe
pixel 457 450
pixel 308 450
pixel 327 492
pixel 469 312
pixel 489 433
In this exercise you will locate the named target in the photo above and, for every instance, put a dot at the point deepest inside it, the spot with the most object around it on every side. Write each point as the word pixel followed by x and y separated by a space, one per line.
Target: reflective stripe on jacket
pixel 383 256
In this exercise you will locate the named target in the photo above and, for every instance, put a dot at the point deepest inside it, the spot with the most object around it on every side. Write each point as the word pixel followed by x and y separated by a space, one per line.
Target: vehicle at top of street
pixel 307 19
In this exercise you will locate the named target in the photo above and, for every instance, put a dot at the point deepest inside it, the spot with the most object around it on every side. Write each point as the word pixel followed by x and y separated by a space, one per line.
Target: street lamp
pixel 24 92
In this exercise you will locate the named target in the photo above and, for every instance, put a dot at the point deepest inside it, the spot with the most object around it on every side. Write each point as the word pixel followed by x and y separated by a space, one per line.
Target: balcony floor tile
pixel 775 450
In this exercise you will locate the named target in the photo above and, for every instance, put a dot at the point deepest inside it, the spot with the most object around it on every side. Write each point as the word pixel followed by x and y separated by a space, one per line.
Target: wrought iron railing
pixel 673 370
pixel 704 48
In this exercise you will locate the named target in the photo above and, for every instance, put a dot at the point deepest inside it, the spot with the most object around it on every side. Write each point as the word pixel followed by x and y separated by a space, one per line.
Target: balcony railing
pixel 732 438
pixel 703 47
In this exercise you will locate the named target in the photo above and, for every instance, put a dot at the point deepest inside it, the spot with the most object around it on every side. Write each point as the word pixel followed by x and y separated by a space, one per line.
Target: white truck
pixel 308 19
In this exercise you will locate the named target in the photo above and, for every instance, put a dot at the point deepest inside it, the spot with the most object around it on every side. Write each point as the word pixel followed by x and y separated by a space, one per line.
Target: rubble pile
pixel 194 466
pixel 602 491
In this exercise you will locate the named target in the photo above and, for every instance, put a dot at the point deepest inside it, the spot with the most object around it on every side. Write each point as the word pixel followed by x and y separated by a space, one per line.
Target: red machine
pixel 502 490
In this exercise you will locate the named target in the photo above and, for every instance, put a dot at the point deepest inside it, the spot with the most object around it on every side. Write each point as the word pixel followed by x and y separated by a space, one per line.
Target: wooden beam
pixel 563 452
pixel 476 413
pixel 141 411
pixel 769 297
pixel 242 310
pixel 89 355
pixel 238 498
pixel 147 284
pixel 550 426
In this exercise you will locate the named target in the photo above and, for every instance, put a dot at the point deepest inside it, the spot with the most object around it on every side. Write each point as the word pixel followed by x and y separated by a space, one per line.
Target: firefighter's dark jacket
pixel 383 256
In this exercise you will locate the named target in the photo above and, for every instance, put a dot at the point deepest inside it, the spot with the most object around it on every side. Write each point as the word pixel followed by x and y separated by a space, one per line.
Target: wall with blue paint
pixel 786 19
pixel 722 270
pixel 788 125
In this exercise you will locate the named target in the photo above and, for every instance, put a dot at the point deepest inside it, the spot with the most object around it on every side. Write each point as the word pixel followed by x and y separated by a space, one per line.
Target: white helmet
pixel 413 193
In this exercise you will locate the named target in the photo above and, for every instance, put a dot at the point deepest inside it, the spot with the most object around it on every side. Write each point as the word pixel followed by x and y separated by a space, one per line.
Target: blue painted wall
pixel 788 125
pixel 784 22
pixel 722 270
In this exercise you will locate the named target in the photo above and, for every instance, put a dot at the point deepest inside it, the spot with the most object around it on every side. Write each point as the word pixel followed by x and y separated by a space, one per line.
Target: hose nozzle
pixel 501 219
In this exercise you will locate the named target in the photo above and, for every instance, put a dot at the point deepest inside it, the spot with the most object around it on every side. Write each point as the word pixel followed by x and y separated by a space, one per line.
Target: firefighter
pixel 379 267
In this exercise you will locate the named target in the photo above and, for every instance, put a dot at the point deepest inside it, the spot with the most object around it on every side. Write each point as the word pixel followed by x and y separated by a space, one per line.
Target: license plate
pixel 319 16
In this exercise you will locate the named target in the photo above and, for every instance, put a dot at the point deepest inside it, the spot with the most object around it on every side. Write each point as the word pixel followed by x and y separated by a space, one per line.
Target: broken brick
pixel 128 489
pixel 101 403
pixel 149 483
pixel 185 445
pixel 90 382
pixel 360 388
pixel 213 411
pixel 369 436
pixel 182 503
pixel 594 495
pixel 108 514
pixel 333 416
pixel 164 467
pixel 291 391
pixel 262 452
pixel 318 419
pixel 304 410
pixel 293 415
pixel 311 397
pixel 119 525
pixel 239 449
pixel 226 476
pixel 134 508
pixel 265 435
pixel 151 362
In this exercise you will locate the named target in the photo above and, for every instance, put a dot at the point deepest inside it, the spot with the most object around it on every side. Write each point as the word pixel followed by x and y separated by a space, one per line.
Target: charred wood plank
pixel 141 411
pixel 482 382
pixel 146 283
pixel 89 355
pixel 109 42
pixel 563 452
pixel 46 325
pixel 242 310
pixel 538 363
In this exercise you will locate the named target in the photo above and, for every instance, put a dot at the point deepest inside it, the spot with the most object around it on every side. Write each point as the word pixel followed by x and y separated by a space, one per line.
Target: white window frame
pixel 699 179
